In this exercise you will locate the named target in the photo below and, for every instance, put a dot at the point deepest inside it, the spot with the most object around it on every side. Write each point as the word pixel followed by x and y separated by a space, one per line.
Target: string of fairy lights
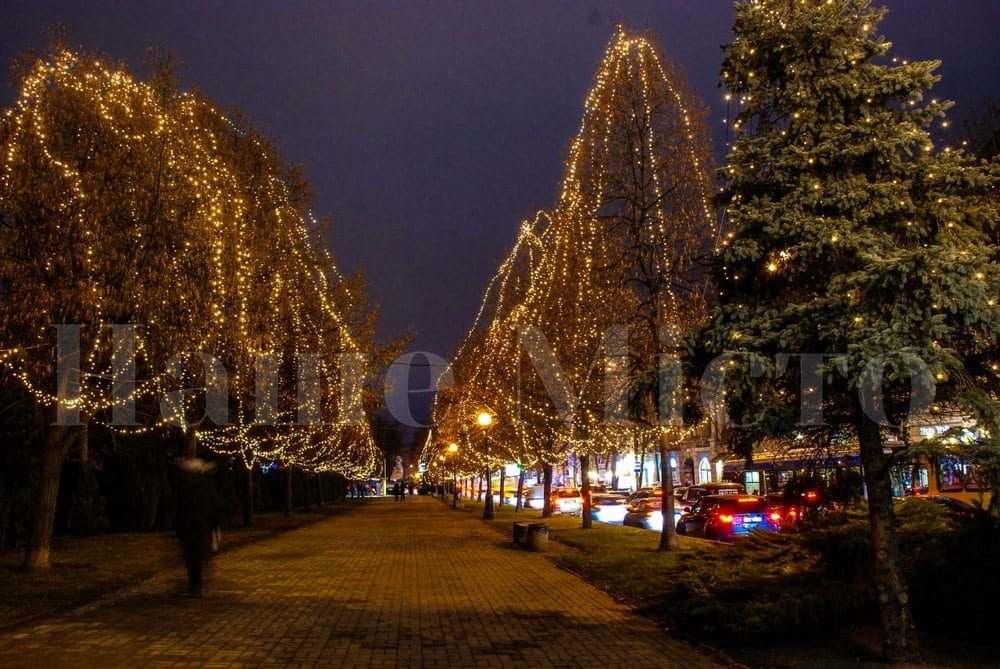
pixel 557 277
pixel 204 249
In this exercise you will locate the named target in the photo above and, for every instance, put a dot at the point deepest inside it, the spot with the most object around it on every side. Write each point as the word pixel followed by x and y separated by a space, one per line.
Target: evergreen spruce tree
pixel 854 237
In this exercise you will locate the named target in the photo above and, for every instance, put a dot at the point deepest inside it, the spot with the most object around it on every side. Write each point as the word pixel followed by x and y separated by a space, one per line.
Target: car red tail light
pixel 726 517
pixel 775 516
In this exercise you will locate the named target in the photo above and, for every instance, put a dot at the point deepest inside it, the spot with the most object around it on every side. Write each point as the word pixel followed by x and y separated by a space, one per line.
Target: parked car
pixel 646 513
pixel 566 500
pixel 534 496
pixel 790 510
pixel 608 507
pixel 696 492
pixel 644 493
pixel 724 517
pixel 793 508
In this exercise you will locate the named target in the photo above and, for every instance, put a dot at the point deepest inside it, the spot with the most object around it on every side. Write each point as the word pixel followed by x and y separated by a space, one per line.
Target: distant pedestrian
pixel 196 520
pixel 395 491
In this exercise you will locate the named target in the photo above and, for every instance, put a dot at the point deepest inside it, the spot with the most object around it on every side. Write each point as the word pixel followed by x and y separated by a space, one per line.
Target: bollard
pixel 538 537
pixel 520 533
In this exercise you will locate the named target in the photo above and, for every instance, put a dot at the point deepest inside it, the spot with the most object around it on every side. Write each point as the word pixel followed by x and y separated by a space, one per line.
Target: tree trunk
pixel 189 443
pixel 547 502
pixel 488 512
pixel 319 489
pixel 305 490
pixel 247 495
pixel 56 444
pixel 502 478
pixel 288 491
pixel 86 512
pixel 901 643
pixel 587 516
pixel 613 463
pixel 642 466
pixel 520 491
pixel 668 535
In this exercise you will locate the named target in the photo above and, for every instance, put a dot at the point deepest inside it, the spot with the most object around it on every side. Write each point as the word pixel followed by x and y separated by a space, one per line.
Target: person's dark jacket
pixel 196 504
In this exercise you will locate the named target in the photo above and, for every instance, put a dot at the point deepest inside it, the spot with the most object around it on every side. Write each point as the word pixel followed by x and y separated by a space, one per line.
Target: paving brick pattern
pixel 412 584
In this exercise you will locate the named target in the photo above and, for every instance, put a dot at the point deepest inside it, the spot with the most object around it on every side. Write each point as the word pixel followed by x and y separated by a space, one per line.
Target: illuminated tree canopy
pixel 620 248
pixel 130 203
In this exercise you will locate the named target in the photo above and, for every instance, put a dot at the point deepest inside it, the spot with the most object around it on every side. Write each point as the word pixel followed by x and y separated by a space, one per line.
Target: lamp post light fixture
pixel 452 450
pixel 485 419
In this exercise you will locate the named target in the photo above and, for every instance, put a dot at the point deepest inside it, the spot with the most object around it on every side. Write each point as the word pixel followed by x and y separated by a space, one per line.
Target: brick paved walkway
pixel 370 588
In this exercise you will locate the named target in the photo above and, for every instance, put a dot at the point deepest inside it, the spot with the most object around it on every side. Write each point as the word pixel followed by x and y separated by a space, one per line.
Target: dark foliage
pixel 771 588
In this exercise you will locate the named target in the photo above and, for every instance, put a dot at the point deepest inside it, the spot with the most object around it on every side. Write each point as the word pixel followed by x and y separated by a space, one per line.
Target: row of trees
pixel 850 238
pixel 161 273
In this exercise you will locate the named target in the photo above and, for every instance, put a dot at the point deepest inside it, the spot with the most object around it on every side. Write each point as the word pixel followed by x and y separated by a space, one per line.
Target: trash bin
pixel 538 537
pixel 520 533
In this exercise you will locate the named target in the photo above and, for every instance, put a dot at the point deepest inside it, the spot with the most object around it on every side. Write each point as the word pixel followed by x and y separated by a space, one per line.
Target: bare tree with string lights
pixel 612 271
pixel 161 227
pixel 620 272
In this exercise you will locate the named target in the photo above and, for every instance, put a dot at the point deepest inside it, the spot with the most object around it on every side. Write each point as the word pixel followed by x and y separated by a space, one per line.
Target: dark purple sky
pixel 430 129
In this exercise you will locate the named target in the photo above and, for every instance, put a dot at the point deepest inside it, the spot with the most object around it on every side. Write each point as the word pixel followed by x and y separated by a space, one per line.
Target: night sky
pixel 431 129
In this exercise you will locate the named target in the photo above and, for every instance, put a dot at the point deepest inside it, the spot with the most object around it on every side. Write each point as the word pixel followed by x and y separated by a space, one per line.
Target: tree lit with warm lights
pixel 165 229
pixel 618 251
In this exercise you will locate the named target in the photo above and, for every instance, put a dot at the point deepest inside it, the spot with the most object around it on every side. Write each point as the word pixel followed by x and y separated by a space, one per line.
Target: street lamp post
pixel 452 450
pixel 485 420
pixel 444 467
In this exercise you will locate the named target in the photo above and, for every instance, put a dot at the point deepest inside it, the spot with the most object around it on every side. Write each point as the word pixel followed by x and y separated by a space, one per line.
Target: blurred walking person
pixel 197 522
